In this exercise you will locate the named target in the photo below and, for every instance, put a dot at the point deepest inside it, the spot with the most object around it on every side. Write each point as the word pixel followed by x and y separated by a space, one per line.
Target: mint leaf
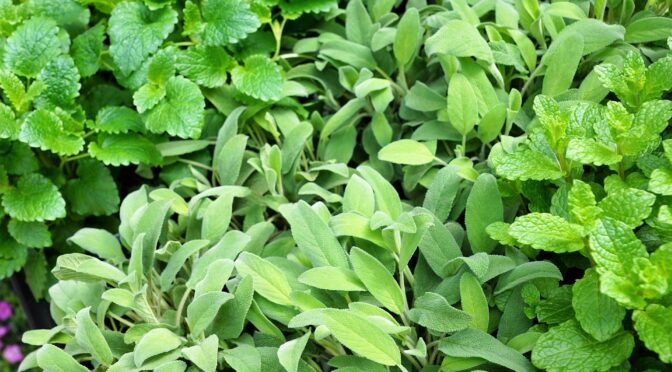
pixel 31 234
pixel 568 347
pixel 44 129
pixel 87 48
pixel 654 326
pixel 136 32
pixel 117 119
pixel 148 96
pixel 125 149
pixel 547 232
pixel 294 8
pixel 34 198
pixel 260 78
pixel 69 14
pixel 9 126
pixel 661 181
pixel 32 46
pixel 527 164
pixel 94 192
pixel 181 112
pixel 630 206
pixel 61 83
pixel 614 247
pixel 598 314
pixel 590 151
pixel 227 21
pixel 581 204
pixel 205 65
pixel 20 159
pixel 12 254
pixel 36 267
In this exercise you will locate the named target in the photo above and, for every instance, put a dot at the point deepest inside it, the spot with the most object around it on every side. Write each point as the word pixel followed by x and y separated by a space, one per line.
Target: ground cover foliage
pixel 359 185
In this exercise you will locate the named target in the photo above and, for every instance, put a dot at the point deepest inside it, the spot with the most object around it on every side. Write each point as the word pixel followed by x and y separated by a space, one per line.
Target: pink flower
pixel 6 310
pixel 13 354
pixel 3 331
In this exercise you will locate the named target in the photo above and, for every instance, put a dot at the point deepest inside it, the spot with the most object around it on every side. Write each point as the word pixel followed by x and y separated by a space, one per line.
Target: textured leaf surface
pixel 35 198
pixel 227 21
pixel 547 232
pixel 44 129
pixel 32 46
pixel 598 314
pixel 117 119
pixel 93 192
pixel 61 83
pixel 568 347
pixel 31 234
pixel 125 149
pixel 654 327
pixel 207 66
pixel 260 78
pixel 181 112
pixel 136 32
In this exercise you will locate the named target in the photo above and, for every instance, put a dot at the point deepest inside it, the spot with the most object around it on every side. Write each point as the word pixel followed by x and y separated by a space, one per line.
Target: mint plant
pixel 608 212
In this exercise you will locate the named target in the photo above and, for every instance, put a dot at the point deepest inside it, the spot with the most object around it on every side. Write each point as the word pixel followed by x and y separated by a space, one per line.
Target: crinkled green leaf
pixel 260 78
pixel 568 347
pixel 547 232
pixel 69 14
pixel 117 119
pixel 181 112
pixel 9 125
pixel 34 198
pixel 45 130
pixel 61 83
pixel 93 192
pixel 661 181
pixel 125 149
pixel 295 8
pixel 87 48
pixel 31 234
pixel 590 151
pixel 136 32
pixel 205 65
pixel 598 314
pixel 526 164
pixel 227 21
pixel 654 326
pixel 32 46
pixel 630 206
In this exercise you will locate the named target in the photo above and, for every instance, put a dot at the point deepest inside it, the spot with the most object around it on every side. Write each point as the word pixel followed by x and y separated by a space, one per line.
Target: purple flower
pixel 13 354
pixel 3 331
pixel 6 310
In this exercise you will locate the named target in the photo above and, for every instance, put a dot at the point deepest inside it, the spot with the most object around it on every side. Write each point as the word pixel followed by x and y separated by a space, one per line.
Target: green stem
pixel 529 81
pixel 277 33
pixel 196 164
pixel 74 158
pixel 180 307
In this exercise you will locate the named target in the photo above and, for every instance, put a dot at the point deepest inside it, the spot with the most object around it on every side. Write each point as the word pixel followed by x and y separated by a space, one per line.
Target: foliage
pixel 355 185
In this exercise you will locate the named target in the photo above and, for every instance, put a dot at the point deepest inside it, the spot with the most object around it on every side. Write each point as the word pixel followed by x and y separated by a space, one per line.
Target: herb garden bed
pixel 363 185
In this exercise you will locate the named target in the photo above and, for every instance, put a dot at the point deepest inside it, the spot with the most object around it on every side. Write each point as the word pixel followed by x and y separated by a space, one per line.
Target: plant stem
pixel 195 164
pixel 180 307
